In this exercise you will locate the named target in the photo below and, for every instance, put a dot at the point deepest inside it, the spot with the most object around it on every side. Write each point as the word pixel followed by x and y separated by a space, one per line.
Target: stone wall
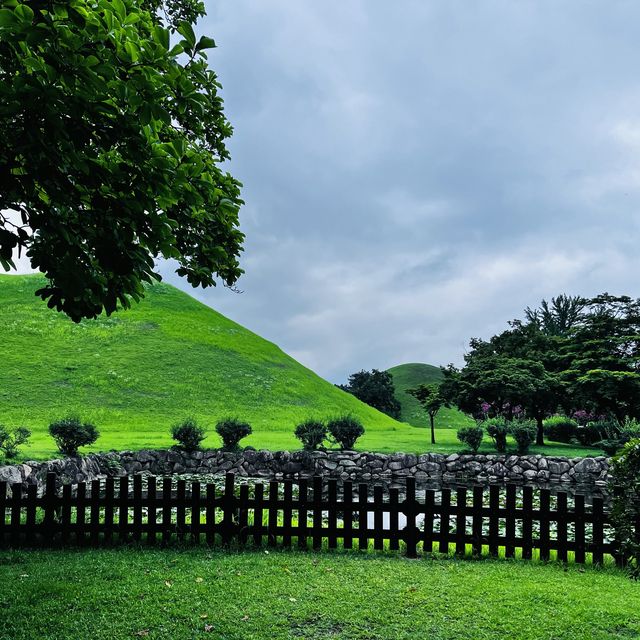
pixel 350 465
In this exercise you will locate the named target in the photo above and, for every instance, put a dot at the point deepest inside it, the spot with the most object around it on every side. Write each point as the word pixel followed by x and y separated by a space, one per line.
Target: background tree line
pixel 573 355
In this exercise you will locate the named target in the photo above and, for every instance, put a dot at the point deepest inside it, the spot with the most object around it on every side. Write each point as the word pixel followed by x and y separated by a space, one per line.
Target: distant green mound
pixel 169 357
pixel 408 376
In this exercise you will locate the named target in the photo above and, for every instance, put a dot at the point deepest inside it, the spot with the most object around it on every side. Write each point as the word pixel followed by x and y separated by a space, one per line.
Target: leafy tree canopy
pixel 113 135
pixel 376 389
pixel 574 353
pixel 432 398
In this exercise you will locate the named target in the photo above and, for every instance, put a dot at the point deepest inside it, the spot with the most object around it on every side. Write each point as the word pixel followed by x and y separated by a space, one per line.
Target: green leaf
pixel 24 12
pixel 161 36
pixel 7 18
pixel 132 49
pixel 205 43
pixel 186 30
pixel 132 18
pixel 120 9
pixel 160 113
pixel 145 114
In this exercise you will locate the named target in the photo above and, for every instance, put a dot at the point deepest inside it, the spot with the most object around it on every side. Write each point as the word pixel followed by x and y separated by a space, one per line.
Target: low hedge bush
pixel 189 434
pixel 560 429
pixel 497 430
pixel 312 433
pixel 524 433
pixel 345 430
pixel 71 433
pixel 471 436
pixel 11 439
pixel 232 430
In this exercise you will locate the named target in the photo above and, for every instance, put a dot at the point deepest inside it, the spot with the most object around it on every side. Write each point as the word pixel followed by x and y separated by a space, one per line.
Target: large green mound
pixel 137 372
pixel 409 376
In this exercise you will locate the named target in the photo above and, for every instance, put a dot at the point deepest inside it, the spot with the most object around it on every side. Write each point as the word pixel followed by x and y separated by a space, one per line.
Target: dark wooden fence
pixel 507 521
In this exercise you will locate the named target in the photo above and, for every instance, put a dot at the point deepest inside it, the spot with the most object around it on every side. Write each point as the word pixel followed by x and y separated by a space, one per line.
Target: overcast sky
pixel 416 173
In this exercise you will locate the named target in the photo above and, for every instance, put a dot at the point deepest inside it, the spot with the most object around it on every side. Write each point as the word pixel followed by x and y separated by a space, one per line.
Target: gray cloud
pixel 418 172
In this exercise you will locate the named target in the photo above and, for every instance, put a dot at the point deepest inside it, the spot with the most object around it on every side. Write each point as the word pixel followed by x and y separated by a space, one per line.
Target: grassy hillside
pixel 408 376
pixel 170 357
pixel 139 371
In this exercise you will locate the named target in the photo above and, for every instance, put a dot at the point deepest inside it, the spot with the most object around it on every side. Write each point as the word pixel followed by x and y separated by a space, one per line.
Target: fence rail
pixel 507 521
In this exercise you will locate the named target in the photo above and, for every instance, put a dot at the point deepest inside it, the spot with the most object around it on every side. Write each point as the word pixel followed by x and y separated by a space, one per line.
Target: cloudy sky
pixel 418 172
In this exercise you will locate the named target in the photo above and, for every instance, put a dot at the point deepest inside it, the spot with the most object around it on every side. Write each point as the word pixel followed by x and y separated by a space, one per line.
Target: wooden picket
pixel 482 521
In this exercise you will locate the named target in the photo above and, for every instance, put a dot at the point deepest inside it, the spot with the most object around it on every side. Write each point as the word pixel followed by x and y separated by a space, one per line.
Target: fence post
pixel 510 522
pixel 411 531
pixel 445 510
pixel 347 515
pixel 317 512
pixel 561 529
pixel 48 524
pixel 527 522
pixel 579 530
pixel 597 540
pixel 16 510
pixel 32 500
pixel 494 519
pixel 477 517
pixel 378 521
pixel 461 521
pixel 228 508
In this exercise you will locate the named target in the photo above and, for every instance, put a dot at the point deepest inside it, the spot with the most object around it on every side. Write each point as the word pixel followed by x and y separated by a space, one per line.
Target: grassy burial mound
pixel 169 357
pixel 409 376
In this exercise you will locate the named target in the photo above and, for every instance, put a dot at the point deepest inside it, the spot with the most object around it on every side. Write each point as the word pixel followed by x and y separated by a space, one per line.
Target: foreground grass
pixel 129 593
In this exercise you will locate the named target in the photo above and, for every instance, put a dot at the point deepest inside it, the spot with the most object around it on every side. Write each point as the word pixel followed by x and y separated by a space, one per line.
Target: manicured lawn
pixel 174 594
pixel 405 439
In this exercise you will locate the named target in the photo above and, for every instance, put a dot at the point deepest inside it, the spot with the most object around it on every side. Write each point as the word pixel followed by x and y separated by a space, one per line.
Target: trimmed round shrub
pixel 71 433
pixel 312 433
pixel 524 433
pixel 232 430
pixel 11 439
pixel 560 429
pixel 498 430
pixel 345 430
pixel 189 434
pixel 471 436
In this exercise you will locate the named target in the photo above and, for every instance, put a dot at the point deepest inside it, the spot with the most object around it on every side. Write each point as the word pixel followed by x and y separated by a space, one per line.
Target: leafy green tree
pixel 602 356
pixel 432 400
pixel 113 135
pixel 512 372
pixel 559 316
pixel 614 393
pixel 578 353
pixel 376 389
